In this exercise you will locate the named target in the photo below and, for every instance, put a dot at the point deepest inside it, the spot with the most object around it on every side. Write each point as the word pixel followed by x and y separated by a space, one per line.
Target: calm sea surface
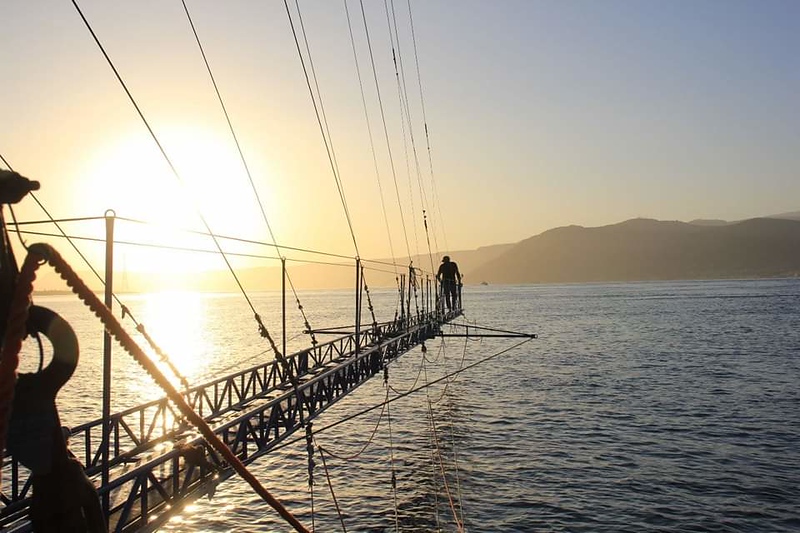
pixel 641 407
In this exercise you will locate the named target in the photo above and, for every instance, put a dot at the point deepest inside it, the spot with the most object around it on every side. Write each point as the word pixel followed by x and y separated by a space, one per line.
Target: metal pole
pixel 283 301
pixel 402 296
pixel 109 295
pixel 410 281
pixel 428 294
pixel 358 304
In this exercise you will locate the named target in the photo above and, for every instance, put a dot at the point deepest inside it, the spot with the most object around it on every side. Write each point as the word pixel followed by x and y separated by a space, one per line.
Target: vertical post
pixel 358 304
pixel 402 297
pixel 424 283
pixel 410 281
pixel 428 294
pixel 283 301
pixel 109 294
pixel 436 295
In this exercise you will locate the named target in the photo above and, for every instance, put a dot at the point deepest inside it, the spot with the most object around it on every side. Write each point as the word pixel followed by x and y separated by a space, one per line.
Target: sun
pixel 202 187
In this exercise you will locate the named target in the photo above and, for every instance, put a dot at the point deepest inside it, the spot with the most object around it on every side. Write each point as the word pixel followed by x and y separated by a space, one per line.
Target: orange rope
pixel 12 344
pixel 112 325
pixel 435 437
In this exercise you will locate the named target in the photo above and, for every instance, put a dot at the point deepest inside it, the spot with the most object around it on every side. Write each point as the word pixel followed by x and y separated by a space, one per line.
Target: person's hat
pixel 445 259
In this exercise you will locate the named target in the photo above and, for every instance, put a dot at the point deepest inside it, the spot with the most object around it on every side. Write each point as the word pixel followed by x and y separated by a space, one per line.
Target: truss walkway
pixel 157 463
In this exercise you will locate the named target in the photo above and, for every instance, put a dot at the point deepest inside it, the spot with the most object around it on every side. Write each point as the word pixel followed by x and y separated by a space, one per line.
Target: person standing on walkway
pixel 450 279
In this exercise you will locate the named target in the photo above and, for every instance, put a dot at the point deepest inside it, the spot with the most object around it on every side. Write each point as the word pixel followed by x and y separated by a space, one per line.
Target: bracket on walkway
pixel 494 332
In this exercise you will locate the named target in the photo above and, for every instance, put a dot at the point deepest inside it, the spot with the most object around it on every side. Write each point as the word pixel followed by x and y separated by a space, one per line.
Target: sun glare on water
pixel 176 321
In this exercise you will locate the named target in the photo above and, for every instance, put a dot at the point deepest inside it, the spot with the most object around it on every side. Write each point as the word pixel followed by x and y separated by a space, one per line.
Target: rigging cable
pixel 445 392
pixel 453 444
pixel 311 464
pixel 125 310
pixel 322 120
pixel 245 165
pixel 402 94
pixel 385 128
pixel 427 136
pixel 435 439
pixel 366 445
pixel 330 486
pixel 371 139
pixel 369 299
pixel 400 396
pixel 262 327
pixel 337 173
pixel 325 140
pixel 391 462
pixel 39 254
pixel 434 449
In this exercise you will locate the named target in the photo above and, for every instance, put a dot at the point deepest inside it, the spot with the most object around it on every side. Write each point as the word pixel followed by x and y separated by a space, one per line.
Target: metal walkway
pixel 157 463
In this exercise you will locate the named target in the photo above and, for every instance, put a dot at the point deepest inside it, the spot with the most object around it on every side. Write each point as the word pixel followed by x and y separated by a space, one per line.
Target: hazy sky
pixel 540 113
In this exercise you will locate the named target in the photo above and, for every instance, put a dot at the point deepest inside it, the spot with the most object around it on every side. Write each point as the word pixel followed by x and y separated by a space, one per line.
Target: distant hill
pixel 634 250
pixel 793 215
pixel 644 249
pixel 709 222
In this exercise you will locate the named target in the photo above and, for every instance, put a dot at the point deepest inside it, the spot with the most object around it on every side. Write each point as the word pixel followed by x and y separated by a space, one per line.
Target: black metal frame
pixel 252 410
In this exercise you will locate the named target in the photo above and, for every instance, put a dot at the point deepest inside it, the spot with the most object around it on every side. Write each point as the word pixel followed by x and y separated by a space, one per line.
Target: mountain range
pixel 634 250
pixel 645 249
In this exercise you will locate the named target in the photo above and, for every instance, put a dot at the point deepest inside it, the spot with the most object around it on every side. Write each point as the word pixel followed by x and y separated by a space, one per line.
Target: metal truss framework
pixel 159 464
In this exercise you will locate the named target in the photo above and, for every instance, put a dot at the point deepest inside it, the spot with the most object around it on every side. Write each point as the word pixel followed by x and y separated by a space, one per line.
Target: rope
pixel 251 241
pixel 402 395
pixel 391 453
pixel 405 114
pixel 366 444
pixel 125 311
pixel 419 374
pixel 287 368
pixel 369 131
pixel 427 136
pixel 330 486
pixel 161 354
pixel 423 196
pixel 243 160
pixel 445 392
pixel 199 250
pixel 412 281
pixel 433 446
pixel 311 464
pixel 369 300
pixel 435 439
pixel 322 128
pixel 12 344
pixel 385 128
pixel 38 252
pixel 172 168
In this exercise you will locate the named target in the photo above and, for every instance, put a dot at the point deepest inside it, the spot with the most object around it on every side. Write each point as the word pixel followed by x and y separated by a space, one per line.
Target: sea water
pixel 669 406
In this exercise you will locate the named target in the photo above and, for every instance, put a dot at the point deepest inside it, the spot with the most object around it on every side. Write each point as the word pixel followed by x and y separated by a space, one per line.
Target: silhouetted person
pixel 450 279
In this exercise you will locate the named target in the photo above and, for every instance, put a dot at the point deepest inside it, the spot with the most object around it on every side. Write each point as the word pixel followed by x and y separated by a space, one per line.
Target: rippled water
pixel 641 407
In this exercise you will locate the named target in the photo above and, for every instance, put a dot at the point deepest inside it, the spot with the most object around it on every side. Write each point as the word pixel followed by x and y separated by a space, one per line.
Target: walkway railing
pixel 252 410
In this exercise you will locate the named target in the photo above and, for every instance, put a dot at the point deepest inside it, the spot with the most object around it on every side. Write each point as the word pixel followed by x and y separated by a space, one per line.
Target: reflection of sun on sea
pixel 176 321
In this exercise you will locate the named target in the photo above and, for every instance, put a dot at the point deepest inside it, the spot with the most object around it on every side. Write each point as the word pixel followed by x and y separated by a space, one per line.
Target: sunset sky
pixel 540 113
